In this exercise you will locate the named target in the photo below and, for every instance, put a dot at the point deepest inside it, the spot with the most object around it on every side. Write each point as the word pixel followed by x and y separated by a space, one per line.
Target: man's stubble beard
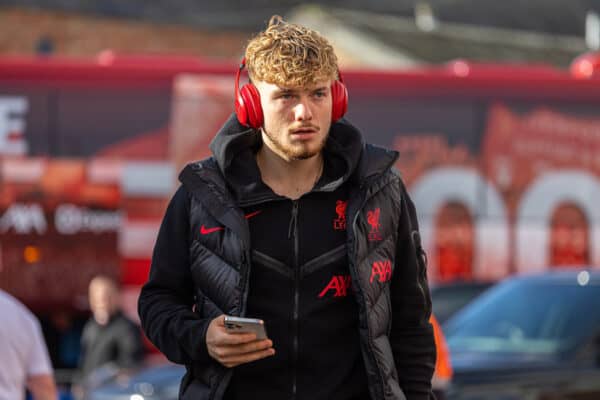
pixel 290 153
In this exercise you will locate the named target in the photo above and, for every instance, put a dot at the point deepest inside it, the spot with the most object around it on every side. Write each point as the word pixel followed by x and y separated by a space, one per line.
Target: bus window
pixel 569 240
pixel 454 243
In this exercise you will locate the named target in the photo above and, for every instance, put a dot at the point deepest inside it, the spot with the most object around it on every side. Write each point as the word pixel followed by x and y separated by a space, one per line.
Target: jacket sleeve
pixel 166 301
pixel 411 335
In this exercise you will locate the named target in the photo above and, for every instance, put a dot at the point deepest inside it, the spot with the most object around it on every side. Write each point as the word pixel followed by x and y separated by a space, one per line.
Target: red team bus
pixel 85 166
pixel 85 174
pixel 502 161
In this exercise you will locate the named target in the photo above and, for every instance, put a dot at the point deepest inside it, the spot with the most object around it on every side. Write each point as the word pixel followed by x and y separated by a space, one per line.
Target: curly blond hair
pixel 290 55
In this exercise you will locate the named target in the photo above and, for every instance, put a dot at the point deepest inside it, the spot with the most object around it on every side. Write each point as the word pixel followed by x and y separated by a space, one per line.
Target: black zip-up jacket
pixel 118 342
pixel 194 278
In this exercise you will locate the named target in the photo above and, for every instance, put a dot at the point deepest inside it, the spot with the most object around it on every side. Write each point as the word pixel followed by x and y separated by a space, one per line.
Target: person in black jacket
pixel 296 221
pixel 109 340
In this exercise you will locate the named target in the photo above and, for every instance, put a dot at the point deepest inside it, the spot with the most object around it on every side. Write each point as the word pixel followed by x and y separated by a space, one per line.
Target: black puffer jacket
pixel 195 278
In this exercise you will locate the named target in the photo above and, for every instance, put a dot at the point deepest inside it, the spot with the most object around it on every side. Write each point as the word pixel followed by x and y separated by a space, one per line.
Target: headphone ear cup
pixel 248 108
pixel 339 100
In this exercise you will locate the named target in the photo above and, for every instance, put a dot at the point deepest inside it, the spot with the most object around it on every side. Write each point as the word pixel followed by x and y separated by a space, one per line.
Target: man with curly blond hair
pixel 296 221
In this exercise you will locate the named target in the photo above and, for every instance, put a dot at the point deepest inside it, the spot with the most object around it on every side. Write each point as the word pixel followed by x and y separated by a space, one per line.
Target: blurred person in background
pixel 296 221
pixel 109 338
pixel 24 360
pixel 442 375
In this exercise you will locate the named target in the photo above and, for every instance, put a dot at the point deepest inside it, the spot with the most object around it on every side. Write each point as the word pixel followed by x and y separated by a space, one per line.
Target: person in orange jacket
pixel 442 375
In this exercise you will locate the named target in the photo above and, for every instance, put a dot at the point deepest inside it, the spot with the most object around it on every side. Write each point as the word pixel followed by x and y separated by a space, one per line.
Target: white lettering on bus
pixel 494 231
pixel 70 219
pixel 466 186
pixel 24 219
pixel 12 125
pixel 543 196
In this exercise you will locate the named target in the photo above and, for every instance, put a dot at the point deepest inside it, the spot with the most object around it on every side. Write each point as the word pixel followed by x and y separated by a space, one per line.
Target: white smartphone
pixel 244 325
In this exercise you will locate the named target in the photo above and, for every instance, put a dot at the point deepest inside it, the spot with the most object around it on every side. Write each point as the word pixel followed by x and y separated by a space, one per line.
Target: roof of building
pixel 554 16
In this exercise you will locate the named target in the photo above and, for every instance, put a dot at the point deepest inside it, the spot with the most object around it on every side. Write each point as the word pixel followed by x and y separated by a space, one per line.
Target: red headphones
pixel 249 111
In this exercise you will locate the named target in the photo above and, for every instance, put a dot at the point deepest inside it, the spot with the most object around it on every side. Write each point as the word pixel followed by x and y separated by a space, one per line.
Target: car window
pixel 527 317
pixel 447 300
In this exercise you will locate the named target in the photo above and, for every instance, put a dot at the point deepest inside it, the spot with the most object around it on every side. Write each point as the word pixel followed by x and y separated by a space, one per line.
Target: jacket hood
pixel 235 145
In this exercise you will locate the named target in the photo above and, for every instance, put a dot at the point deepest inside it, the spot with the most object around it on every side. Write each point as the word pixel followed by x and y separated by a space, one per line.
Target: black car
pixel 529 337
pixel 448 298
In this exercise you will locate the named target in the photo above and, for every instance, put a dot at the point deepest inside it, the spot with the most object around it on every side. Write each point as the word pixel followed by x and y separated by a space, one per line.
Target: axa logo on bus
pixel 69 219
pixel 12 125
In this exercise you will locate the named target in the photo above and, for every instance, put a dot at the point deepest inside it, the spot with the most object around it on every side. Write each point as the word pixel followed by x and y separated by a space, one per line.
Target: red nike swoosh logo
pixel 205 231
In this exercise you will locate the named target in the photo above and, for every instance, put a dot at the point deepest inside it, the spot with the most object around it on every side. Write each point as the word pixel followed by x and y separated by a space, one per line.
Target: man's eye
pixel 320 94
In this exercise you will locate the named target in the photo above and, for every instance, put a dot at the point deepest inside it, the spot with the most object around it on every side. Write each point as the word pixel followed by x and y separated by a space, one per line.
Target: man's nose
pixel 302 111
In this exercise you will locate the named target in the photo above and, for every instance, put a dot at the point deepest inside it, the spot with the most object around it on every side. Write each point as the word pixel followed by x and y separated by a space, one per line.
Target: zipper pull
pixel 293 220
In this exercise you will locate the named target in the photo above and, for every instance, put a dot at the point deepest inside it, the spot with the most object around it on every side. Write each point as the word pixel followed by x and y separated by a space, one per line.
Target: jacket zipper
pixel 293 233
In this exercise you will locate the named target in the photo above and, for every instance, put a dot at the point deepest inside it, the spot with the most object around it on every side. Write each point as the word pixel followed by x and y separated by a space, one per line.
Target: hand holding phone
pixel 231 345
pixel 246 325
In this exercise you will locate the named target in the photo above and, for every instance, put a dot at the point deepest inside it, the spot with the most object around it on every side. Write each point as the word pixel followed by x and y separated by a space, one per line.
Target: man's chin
pixel 102 318
pixel 304 156
pixel 305 152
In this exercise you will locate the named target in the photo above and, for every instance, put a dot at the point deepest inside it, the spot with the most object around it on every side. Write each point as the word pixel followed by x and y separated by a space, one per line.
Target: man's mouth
pixel 304 131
